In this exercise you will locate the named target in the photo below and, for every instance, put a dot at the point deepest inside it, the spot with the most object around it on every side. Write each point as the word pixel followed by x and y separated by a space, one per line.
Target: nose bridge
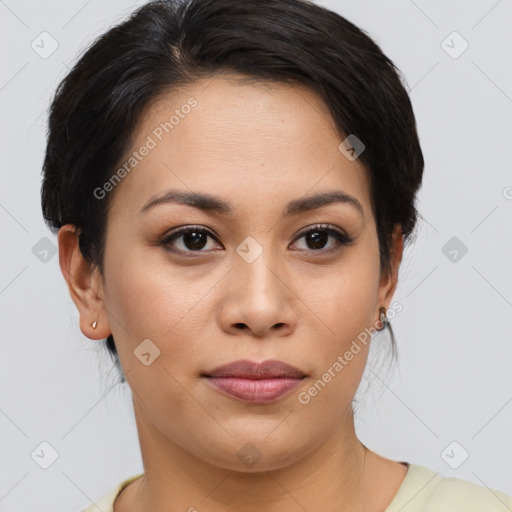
pixel 254 263
pixel 257 297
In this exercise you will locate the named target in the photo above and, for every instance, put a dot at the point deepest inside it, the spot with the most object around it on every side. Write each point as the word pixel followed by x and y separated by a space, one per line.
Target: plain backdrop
pixel 446 405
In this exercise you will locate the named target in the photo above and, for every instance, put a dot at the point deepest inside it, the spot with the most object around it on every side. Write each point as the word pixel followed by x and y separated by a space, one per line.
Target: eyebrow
pixel 211 203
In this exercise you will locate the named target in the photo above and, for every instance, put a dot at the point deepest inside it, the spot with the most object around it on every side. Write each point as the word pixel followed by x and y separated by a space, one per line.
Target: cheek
pixel 146 303
pixel 341 350
pixel 151 299
pixel 344 297
pixel 343 301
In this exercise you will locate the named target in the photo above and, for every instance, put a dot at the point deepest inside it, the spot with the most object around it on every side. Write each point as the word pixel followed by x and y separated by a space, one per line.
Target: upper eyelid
pixel 319 226
pixel 184 229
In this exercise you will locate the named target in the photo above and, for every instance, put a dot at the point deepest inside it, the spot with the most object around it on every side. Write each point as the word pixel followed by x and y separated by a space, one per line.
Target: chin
pixel 256 454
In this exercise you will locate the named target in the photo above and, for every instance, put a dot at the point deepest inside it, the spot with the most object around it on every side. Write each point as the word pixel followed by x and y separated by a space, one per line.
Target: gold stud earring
pixel 94 324
pixel 383 317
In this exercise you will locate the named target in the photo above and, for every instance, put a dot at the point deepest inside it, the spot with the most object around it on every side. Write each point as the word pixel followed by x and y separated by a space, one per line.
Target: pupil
pixel 192 240
pixel 318 239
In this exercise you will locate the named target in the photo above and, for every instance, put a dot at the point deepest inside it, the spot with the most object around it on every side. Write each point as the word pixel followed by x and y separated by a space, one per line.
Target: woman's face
pixel 248 284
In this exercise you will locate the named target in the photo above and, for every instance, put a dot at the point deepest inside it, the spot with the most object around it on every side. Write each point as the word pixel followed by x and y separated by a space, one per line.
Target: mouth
pixel 253 382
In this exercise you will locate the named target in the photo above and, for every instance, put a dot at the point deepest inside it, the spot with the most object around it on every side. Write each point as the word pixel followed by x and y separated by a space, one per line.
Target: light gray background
pixel 454 381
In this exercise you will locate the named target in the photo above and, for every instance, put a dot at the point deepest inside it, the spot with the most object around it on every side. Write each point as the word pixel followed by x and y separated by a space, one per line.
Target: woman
pixel 232 185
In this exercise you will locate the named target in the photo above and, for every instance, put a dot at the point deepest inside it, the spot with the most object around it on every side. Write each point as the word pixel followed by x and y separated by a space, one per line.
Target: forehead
pixel 226 136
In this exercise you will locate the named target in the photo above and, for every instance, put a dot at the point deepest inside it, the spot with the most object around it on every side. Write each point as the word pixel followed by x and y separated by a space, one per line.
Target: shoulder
pixel 426 490
pixel 106 502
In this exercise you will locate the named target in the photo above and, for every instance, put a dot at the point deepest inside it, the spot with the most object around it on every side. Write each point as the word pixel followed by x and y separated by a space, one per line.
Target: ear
pixel 389 280
pixel 84 284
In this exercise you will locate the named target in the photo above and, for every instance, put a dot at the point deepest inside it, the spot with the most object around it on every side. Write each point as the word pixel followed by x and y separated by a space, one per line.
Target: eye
pixel 316 237
pixel 193 239
pixel 190 239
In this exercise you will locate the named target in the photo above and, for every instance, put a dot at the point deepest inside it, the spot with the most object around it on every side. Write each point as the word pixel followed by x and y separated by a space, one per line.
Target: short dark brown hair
pixel 166 44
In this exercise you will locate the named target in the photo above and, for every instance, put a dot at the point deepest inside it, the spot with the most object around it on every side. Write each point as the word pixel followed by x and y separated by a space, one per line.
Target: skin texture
pixel 257 146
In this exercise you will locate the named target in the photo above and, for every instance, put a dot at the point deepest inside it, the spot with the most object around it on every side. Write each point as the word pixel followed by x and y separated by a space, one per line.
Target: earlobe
pixel 84 285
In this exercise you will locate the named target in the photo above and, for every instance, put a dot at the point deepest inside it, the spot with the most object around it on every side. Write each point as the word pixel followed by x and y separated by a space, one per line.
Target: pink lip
pixel 255 382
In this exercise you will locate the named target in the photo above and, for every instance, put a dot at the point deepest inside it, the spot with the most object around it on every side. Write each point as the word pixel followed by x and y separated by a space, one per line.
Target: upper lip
pixel 246 369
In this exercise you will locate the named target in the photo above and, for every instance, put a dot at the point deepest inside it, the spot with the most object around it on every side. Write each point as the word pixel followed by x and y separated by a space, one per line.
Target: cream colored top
pixel 422 490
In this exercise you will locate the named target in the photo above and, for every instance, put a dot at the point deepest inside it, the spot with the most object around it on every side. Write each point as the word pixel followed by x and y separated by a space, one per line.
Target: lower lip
pixel 255 390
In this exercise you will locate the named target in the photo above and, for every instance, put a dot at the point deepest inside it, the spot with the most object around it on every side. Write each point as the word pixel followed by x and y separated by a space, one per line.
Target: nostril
pixel 240 325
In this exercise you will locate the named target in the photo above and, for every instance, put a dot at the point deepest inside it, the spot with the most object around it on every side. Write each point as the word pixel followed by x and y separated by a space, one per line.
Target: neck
pixel 329 477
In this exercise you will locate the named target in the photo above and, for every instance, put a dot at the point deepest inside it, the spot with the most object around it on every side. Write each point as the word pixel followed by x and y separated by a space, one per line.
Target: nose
pixel 258 299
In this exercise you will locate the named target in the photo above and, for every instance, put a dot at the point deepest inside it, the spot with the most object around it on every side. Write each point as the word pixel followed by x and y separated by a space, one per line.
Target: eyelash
pixel 342 238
